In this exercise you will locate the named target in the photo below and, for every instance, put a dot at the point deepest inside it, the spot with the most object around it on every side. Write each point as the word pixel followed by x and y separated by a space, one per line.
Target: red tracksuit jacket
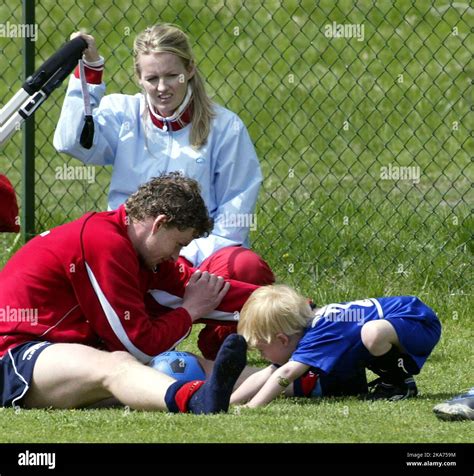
pixel 83 282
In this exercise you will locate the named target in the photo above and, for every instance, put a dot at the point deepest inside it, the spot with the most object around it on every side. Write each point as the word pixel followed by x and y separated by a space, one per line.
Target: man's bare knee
pixel 118 363
pixel 121 357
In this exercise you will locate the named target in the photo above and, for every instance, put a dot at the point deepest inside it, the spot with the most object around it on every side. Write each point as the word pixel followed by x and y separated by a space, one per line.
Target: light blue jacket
pixel 226 167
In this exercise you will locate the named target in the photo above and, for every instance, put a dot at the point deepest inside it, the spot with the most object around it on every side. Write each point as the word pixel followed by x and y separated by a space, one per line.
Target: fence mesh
pixel 360 113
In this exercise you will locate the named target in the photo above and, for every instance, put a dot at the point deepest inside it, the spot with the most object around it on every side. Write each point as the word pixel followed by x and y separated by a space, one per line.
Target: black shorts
pixel 16 372
pixel 312 385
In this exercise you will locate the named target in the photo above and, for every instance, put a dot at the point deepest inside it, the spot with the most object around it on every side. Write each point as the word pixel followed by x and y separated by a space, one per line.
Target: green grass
pixel 327 223
pixel 328 421
pixel 333 420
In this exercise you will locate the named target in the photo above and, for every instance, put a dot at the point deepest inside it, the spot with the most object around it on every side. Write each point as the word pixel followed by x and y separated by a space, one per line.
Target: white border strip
pixel 169 300
pixel 21 378
pixel 379 308
pixel 114 321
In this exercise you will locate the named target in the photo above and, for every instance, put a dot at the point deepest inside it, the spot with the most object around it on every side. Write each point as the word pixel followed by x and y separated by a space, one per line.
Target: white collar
pixel 178 112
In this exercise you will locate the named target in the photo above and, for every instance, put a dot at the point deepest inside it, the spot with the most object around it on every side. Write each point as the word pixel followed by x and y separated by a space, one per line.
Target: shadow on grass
pixel 437 396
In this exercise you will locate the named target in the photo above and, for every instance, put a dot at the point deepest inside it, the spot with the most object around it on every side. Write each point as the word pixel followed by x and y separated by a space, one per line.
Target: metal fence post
pixel 28 167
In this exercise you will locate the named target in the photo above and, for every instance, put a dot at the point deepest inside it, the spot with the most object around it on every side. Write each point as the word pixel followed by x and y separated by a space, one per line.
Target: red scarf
pixel 179 123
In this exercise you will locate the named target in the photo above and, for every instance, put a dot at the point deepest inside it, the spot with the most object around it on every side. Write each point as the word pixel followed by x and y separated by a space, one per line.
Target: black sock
pixel 394 366
pixel 214 395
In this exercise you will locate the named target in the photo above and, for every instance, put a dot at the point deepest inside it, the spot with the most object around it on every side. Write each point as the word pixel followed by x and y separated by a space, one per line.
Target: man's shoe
pixel 380 390
pixel 460 407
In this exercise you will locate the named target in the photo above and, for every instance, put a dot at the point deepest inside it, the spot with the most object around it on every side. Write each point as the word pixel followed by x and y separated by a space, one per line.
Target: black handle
pixel 57 66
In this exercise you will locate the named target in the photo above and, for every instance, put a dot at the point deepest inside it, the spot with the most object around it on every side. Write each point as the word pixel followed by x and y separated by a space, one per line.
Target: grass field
pixel 325 114
pixel 335 420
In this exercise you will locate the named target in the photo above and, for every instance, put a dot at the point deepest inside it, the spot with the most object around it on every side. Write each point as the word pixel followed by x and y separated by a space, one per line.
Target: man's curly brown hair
pixel 176 196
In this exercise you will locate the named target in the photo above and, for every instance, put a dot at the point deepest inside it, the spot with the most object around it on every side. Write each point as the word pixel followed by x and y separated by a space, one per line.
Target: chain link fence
pixel 360 112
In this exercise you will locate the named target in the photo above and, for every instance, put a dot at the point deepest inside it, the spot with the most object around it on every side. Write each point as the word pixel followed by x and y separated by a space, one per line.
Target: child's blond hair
pixel 271 310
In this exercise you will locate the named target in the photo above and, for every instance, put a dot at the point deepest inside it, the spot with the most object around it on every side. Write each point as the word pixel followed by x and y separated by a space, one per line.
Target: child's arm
pixel 278 381
pixel 251 385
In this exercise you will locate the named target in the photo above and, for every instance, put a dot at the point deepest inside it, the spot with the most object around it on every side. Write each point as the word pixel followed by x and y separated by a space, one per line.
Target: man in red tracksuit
pixel 74 326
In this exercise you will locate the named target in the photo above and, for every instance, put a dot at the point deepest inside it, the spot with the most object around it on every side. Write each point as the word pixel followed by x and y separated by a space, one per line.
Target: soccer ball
pixel 181 366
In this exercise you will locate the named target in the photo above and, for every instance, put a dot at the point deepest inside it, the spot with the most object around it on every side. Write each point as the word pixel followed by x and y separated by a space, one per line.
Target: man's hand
pixel 204 292
pixel 90 54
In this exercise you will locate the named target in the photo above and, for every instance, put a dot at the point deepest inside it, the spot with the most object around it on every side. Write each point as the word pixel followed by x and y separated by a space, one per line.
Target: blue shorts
pixel 418 337
pixel 16 372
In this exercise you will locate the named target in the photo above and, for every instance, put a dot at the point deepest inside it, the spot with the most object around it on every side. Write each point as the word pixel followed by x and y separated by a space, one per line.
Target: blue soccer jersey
pixel 332 342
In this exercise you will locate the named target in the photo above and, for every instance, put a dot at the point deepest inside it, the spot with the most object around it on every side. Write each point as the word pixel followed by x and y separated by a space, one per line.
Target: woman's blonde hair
pixel 168 38
pixel 271 310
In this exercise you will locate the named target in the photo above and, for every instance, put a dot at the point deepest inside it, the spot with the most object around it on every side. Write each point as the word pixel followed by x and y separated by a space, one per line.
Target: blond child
pixel 323 351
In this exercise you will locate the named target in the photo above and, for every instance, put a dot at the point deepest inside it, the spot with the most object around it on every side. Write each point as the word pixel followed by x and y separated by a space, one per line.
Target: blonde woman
pixel 172 125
